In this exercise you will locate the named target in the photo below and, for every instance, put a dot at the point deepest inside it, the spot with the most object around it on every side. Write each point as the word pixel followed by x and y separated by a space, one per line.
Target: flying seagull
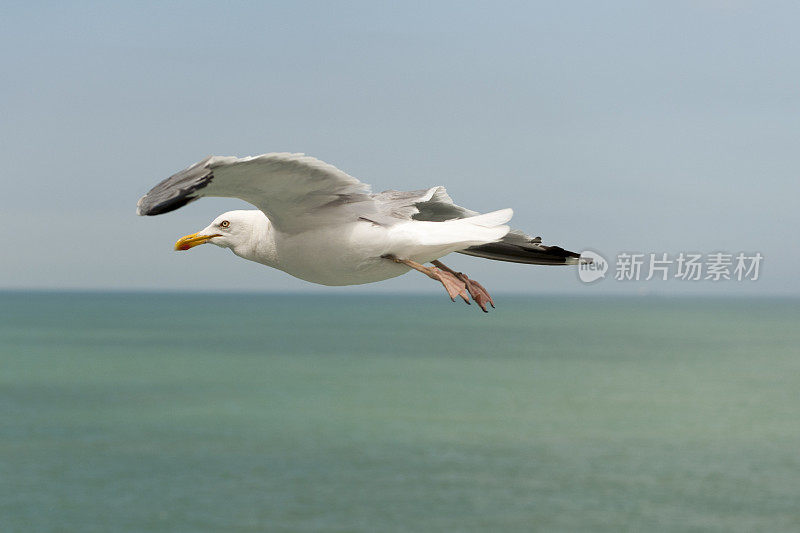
pixel 322 225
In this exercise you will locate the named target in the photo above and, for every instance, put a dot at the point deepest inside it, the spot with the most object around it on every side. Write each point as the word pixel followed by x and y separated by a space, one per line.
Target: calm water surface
pixel 179 412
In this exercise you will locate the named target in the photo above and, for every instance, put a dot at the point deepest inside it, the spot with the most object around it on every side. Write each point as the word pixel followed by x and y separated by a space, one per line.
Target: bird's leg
pixel 452 284
pixel 476 290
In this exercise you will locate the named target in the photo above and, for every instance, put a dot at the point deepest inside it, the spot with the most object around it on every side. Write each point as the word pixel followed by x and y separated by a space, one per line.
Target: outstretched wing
pixel 295 191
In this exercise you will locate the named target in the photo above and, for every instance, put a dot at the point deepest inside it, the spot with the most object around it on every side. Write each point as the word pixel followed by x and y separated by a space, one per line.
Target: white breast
pixel 343 255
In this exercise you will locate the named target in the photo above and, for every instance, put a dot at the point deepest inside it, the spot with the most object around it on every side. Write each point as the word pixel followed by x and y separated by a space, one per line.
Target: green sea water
pixel 235 413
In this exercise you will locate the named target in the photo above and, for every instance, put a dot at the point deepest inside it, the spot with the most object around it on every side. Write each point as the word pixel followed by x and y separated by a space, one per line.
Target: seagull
pixel 324 226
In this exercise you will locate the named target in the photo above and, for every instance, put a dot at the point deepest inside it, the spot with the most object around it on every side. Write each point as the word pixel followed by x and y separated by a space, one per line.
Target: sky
pixel 636 127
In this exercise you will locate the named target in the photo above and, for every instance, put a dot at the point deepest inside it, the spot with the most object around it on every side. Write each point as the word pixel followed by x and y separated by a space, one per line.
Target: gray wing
pixel 295 191
pixel 432 205
pixel 435 205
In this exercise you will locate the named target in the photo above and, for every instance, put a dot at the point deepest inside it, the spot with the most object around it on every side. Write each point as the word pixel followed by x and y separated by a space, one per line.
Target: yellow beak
pixel 190 241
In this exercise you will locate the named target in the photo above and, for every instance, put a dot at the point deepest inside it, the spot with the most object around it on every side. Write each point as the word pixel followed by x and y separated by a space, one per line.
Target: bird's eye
pixel 224 224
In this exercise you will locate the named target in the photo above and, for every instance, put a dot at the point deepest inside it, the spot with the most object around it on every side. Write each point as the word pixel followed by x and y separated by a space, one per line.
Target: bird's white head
pixel 238 230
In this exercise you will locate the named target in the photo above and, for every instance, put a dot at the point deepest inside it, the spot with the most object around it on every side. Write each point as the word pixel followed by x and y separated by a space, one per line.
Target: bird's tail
pixel 471 231
pixel 436 239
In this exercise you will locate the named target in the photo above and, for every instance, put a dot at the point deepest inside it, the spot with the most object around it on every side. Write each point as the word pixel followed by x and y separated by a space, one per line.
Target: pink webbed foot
pixel 455 283
pixel 478 293
pixel 452 284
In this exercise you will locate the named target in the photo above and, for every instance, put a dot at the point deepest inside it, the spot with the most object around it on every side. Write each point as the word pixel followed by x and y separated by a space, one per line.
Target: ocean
pixel 242 413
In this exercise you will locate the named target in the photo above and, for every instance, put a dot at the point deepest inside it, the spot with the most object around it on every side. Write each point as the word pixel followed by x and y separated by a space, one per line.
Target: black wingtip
pixel 514 253
pixel 559 251
pixel 165 207
pixel 177 190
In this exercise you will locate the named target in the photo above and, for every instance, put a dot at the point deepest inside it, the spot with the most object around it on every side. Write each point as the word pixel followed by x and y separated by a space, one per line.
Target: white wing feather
pixel 295 191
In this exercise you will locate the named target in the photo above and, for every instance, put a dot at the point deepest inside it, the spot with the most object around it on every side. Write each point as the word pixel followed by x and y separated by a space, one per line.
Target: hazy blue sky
pixel 611 126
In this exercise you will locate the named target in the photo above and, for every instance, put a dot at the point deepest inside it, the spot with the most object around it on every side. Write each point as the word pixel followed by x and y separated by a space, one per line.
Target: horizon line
pixel 304 293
